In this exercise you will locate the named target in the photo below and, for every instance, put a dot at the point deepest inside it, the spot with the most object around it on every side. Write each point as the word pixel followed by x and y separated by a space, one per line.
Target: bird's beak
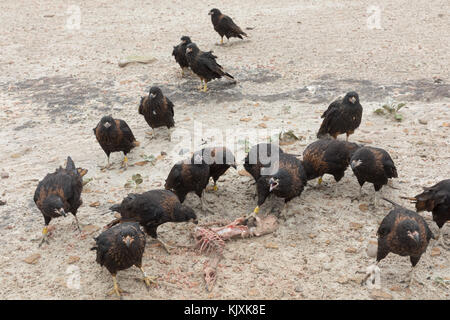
pixel 210 13
pixel 273 184
pixel 107 125
pixel 188 50
pixel 352 99
pixel 128 241
pixel 152 95
pixel 234 166
pixel 61 212
pixel 354 163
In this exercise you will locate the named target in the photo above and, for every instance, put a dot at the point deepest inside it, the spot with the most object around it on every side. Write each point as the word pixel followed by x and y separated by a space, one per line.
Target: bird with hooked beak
pixel 179 52
pixel 114 135
pixel 205 66
pixel 287 182
pixel 342 116
pixel 403 232
pixel 157 110
pixel 59 193
pixel 120 248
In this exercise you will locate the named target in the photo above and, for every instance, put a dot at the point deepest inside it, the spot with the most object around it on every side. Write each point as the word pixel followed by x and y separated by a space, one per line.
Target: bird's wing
pixel 333 108
pixel 170 106
pixel 126 131
pixel 227 22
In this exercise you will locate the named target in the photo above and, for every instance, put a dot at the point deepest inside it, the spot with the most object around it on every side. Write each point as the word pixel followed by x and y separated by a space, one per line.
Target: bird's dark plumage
pixel 287 182
pixel 153 208
pixel 225 26
pixel 261 156
pixel 373 165
pixel 219 160
pixel 328 156
pixel 112 249
pixel 204 64
pixel 59 193
pixel 157 109
pixel 186 176
pixel 342 116
pixel 119 248
pixel 114 135
pixel 403 232
pixel 179 52
pixel 437 200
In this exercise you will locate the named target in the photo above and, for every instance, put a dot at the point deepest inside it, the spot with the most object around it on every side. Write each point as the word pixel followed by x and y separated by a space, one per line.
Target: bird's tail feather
pixel 70 165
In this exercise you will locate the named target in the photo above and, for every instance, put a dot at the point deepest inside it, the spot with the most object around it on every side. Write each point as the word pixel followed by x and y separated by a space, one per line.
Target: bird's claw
pixel 149 281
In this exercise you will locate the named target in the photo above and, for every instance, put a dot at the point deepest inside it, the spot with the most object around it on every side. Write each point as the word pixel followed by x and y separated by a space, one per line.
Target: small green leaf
pixel 398 117
pixel 379 111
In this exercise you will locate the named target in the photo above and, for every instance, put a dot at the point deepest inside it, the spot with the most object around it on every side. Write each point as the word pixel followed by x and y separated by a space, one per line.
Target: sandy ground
pixel 57 80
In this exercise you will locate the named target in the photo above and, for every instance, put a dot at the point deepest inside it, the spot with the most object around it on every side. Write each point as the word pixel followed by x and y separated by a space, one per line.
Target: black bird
pixel 114 135
pixel 437 200
pixel 373 165
pixel 261 156
pixel 328 156
pixel 225 26
pixel 59 193
pixel 342 116
pixel 157 110
pixel 219 160
pixel 287 180
pixel 187 176
pixel 403 232
pixel 120 248
pixel 151 209
pixel 204 65
pixel 179 52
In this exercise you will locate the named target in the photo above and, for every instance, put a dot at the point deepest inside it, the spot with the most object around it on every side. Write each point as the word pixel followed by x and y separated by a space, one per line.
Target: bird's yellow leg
pixel 319 181
pixel 221 41
pixel 125 162
pixel 44 236
pixel 148 281
pixel 205 88
pixel 201 84
pixel 116 289
pixel 215 188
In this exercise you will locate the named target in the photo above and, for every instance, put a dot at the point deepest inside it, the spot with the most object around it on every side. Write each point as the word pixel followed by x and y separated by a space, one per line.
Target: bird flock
pixel 122 244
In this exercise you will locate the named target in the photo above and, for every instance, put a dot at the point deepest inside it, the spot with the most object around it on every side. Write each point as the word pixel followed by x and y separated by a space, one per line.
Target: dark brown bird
pixel 403 232
pixel 120 248
pixel 157 110
pixel 114 135
pixel 342 116
pixel 59 193
pixel 287 180
pixel 187 176
pixel 261 156
pixel 219 160
pixel 179 52
pixel 225 26
pixel 437 200
pixel 328 156
pixel 204 65
pixel 373 165
pixel 151 209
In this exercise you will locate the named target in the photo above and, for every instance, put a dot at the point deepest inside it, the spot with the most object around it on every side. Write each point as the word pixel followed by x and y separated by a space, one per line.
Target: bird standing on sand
pixel 120 248
pixel 59 193
pixel 342 116
pixel 204 65
pixel 114 135
pixel 225 26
